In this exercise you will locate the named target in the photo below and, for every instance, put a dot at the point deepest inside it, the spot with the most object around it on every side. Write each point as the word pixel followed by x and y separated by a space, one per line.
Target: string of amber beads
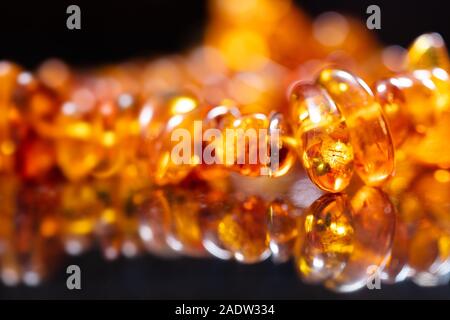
pixel 85 156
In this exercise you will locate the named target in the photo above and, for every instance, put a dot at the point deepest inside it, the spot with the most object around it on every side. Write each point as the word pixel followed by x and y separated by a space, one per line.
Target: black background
pixel 112 31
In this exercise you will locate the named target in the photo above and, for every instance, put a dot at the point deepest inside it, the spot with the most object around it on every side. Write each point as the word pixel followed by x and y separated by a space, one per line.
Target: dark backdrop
pixel 116 30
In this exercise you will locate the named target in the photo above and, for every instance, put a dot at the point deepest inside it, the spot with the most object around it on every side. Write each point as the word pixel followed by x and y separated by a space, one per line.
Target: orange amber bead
pixel 79 211
pixel 246 142
pixel 154 217
pixel 243 231
pixel 9 115
pixel 327 153
pixel 403 97
pixel 428 51
pixel 185 235
pixel 391 95
pixel 281 144
pixel 397 268
pixel 374 225
pixel 429 254
pixel 283 229
pixel 171 157
pixel 433 191
pixel 369 132
pixel 325 240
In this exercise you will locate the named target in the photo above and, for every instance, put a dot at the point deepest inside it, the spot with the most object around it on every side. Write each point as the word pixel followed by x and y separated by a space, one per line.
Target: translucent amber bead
pixel 325 240
pixel 244 231
pixel 8 116
pixel 281 144
pixel 428 51
pixel 214 205
pixel 79 211
pixel 35 157
pixel 403 97
pixel 154 217
pixel 36 241
pixel 217 118
pixel 374 225
pixel 432 142
pixel 397 268
pixel 283 229
pixel 78 150
pixel 433 191
pixel 369 132
pixel 327 154
pixel 168 158
pixel 185 235
pixel 246 138
pixel 391 95
pixel 119 135
pixel 429 253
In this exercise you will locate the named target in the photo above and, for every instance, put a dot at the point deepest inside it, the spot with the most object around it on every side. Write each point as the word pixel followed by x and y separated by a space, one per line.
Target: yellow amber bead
pixel 283 229
pixel 243 231
pixel 327 153
pixel 369 132
pixel 79 211
pixel 325 240
pixel 169 159
pixel 246 138
pixel 428 51
pixel 374 225
pixel 217 118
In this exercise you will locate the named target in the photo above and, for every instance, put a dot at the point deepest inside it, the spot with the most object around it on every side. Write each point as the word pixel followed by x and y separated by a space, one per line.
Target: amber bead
pixel 391 95
pixel 217 118
pixel 325 240
pixel 374 225
pixel 154 216
pixel 283 230
pixel 31 249
pixel 167 160
pixel 428 51
pixel 282 145
pixel 327 154
pixel 429 254
pixel 79 211
pixel 369 132
pixel 214 205
pixel 185 234
pixel 433 191
pixel 246 141
pixel 10 117
pixel 397 268
pixel 243 231
pixel 403 97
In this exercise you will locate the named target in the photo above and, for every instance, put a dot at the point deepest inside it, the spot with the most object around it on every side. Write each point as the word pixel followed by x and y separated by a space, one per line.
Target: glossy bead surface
pixel 325 240
pixel 244 231
pixel 428 51
pixel 327 154
pixel 374 225
pixel 369 132
pixel 283 229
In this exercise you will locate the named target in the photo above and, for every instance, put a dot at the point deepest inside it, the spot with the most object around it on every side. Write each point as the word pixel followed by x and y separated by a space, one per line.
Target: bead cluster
pixel 85 154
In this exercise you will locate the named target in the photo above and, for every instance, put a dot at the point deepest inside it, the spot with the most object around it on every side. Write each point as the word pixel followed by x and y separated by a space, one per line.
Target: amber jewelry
pixel 86 155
